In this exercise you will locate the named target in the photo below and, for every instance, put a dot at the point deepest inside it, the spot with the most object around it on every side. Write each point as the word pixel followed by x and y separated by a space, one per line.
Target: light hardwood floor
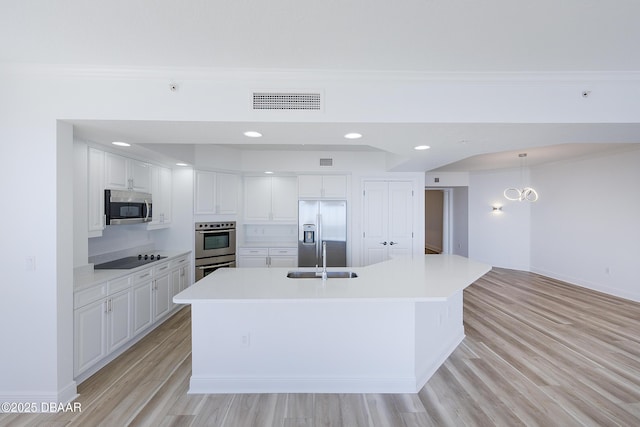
pixel 537 352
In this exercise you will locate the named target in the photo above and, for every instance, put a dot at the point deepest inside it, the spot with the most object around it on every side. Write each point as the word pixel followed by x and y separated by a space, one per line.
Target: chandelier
pixel 524 193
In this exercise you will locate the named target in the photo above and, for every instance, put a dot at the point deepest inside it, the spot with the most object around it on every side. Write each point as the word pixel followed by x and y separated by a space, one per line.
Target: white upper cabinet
pixel 216 193
pixel 227 192
pixel 95 196
pixel 322 186
pixel 122 173
pixel 162 196
pixel 270 198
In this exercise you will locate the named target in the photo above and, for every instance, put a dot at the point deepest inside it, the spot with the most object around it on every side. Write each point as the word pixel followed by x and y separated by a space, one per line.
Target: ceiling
pixel 354 35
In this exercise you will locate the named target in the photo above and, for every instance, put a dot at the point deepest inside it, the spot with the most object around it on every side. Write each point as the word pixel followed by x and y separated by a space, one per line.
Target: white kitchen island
pixel 386 331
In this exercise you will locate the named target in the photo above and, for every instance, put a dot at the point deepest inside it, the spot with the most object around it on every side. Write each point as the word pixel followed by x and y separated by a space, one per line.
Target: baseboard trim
pixel 301 385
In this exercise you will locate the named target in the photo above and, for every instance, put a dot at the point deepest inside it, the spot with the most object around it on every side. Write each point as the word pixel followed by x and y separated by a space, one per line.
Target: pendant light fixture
pixel 524 193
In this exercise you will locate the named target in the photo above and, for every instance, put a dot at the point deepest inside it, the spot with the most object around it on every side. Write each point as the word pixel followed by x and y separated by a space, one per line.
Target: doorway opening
pixel 446 217
pixel 434 221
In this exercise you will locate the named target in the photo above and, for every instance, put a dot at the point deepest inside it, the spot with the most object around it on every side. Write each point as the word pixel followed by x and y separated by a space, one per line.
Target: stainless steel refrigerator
pixel 322 221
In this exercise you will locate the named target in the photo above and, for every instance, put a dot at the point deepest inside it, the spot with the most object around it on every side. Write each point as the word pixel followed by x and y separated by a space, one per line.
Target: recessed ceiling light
pixel 181 164
pixel 268 172
pixel 353 135
pixel 252 134
pixel 121 144
pixel 421 147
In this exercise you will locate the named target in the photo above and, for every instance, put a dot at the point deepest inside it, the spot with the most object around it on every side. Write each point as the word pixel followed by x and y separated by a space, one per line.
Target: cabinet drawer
pixel 119 284
pixel 254 251
pixel 283 251
pixel 142 276
pixel 85 296
pixel 178 262
pixel 161 269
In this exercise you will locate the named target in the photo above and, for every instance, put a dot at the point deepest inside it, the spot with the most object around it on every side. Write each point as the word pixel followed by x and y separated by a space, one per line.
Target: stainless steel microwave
pixel 127 207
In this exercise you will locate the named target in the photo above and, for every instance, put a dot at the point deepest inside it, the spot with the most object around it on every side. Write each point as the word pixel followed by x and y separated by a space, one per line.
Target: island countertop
pixel 423 278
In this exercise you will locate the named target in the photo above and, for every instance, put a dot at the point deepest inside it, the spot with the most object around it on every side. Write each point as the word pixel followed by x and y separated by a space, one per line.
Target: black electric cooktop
pixel 128 262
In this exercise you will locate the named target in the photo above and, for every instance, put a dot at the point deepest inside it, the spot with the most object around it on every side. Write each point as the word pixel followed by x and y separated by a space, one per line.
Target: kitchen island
pixel 386 331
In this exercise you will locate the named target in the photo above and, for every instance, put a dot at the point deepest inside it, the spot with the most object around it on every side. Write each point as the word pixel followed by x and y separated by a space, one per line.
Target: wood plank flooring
pixel 538 352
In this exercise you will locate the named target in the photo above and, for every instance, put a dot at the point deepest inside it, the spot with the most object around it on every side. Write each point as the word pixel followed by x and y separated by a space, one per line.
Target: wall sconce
pixel 496 209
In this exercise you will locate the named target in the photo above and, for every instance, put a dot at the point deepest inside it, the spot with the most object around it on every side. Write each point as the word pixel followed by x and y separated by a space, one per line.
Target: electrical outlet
pixel 30 263
pixel 245 340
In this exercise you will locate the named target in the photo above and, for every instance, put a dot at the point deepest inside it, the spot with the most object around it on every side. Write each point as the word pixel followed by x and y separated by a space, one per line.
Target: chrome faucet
pixel 324 260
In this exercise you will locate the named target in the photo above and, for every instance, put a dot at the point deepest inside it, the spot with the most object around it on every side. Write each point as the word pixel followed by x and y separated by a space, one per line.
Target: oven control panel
pixel 215 225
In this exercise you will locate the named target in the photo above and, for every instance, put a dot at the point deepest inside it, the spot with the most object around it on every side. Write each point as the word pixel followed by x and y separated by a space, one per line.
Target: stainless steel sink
pixel 314 275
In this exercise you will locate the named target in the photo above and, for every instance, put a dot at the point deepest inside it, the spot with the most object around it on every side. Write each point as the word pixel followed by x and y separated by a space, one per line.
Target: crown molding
pixel 235 74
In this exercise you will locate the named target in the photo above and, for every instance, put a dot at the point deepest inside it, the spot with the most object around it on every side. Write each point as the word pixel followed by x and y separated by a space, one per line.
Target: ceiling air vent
pixel 287 101
pixel 326 162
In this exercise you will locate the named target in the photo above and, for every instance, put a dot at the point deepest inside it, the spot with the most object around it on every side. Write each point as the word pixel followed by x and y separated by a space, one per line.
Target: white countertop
pixel 92 277
pixel 425 278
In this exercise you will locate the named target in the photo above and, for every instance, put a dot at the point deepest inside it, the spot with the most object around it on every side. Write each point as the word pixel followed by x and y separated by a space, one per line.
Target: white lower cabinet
pixel 101 327
pixel 161 292
pixel 89 330
pixel 111 315
pixel 142 312
pixel 267 257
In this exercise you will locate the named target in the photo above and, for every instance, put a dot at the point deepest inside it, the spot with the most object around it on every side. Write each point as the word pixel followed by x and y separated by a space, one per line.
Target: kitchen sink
pixel 314 275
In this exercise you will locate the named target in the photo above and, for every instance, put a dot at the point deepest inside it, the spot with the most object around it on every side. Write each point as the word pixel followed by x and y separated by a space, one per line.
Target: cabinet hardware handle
pixel 393 243
pixel 383 243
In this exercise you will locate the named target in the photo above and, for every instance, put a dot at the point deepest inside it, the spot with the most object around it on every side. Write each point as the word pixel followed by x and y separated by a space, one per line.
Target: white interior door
pixel 375 222
pixel 400 229
pixel 387 220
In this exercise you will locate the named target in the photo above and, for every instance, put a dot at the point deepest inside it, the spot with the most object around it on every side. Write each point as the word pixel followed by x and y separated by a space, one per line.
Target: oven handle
pixel 227 230
pixel 226 264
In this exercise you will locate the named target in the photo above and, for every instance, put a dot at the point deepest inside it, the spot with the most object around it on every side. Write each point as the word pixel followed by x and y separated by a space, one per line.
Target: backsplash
pixel 118 241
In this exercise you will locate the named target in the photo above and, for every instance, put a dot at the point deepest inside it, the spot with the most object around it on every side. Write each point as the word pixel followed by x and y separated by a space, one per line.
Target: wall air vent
pixel 287 101
pixel 326 162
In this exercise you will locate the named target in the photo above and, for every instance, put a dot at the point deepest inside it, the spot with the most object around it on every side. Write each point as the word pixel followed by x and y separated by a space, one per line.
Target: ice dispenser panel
pixel 309 234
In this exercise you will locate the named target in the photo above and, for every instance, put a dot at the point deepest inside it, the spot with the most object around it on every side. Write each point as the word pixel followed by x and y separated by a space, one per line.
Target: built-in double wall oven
pixel 215 247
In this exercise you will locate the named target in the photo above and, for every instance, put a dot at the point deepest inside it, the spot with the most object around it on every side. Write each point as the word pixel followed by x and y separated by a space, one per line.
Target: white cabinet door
pixel 283 261
pixel 120 329
pixel 142 311
pixel 95 186
pixel 227 191
pixel 246 261
pixel 116 174
pixel 310 186
pixel 387 223
pixel 175 285
pixel 322 186
pixel 122 173
pixel 162 194
pixel 140 175
pixel 334 186
pixel 90 324
pixel 284 200
pixel 216 193
pixel 257 198
pixel 161 295
pixel 185 276
pixel 204 197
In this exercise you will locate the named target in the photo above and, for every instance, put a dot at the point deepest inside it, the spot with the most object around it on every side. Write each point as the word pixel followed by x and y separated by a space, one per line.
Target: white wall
pixel 460 221
pixel 585 228
pixel 35 177
pixel 501 240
